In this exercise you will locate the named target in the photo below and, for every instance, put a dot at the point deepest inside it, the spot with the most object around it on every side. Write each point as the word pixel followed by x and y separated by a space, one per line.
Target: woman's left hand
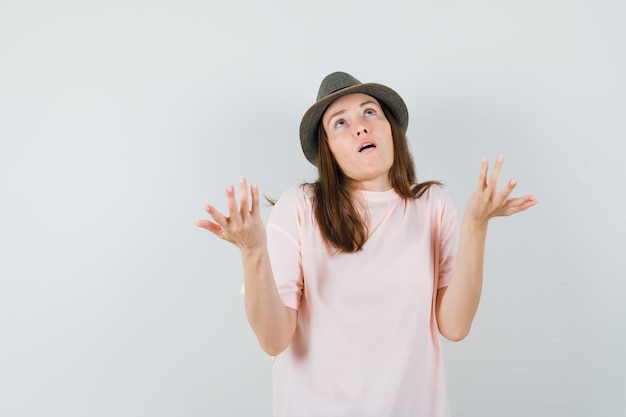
pixel 487 202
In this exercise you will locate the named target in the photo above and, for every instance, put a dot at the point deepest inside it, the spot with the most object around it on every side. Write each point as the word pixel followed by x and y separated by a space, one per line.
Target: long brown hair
pixel 338 213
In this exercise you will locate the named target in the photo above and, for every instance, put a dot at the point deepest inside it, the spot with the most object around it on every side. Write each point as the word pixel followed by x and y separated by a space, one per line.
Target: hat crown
pixel 335 82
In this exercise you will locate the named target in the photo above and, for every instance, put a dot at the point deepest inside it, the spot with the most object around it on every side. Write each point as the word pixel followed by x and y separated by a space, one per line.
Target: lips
pixel 366 145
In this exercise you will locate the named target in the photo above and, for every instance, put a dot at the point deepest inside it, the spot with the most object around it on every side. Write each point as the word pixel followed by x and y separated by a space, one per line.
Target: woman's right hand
pixel 272 322
pixel 243 227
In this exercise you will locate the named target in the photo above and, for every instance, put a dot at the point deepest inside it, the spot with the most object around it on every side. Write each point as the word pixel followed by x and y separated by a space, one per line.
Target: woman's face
pixel 359 137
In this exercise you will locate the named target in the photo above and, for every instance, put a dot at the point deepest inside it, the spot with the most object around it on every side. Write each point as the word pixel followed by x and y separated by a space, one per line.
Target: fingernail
pixel 484 161
pixel 500 158
pixel 253 186
pixel 229 189
pixel 241 179
pixel 513 182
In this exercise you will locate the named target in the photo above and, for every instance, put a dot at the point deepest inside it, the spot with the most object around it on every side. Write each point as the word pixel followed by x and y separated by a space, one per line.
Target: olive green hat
pixel 339 84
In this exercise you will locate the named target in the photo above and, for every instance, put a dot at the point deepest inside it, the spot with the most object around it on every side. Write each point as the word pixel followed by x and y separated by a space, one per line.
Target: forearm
pixel 458 304
pixel 272 322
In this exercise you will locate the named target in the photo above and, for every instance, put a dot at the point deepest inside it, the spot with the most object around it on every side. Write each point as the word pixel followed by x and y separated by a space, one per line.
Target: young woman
pixel 355 276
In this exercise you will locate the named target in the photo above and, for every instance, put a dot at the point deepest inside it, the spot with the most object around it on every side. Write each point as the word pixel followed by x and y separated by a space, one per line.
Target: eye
pixel 340 123
pixel 369 112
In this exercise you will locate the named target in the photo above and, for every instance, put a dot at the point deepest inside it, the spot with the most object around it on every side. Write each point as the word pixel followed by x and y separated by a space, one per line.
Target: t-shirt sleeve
pixel 448 239
pixel 284 245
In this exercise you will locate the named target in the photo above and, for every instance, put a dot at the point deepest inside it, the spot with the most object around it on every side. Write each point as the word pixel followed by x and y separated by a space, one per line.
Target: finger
pixel 517 205
pixel 211 227
pixel 497 167
pixel 508 189
pixel 231 203
pixel 482 178
pixel 219 218
pixel 243 197
pixel 526 203
pixel 256 203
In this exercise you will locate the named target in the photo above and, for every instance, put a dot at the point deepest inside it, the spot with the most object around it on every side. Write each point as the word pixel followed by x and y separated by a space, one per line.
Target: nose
pixel 361 129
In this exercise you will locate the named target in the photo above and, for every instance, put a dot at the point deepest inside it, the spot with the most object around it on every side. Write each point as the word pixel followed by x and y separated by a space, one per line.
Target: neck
pixel 379 184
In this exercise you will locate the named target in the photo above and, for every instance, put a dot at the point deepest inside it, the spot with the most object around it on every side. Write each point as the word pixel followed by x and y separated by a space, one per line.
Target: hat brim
pixel 311 119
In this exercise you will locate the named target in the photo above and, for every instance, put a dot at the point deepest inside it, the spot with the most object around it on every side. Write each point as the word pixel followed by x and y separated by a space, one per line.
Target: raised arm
pixel 273 323
pixel 457 303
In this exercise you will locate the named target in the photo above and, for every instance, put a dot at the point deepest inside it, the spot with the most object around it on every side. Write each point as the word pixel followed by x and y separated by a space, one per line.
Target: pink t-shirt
pixel 367 342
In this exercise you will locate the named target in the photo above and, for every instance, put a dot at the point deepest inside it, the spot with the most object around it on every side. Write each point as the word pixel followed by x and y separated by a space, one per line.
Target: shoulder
pixel 294 203
pixel 437 202
pixel 296 195
pixel 435 195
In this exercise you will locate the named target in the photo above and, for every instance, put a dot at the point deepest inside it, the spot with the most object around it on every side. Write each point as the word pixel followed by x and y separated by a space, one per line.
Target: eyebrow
pixel 360 105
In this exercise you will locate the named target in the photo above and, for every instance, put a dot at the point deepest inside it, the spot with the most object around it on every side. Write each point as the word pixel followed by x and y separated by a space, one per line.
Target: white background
pixel 120 120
